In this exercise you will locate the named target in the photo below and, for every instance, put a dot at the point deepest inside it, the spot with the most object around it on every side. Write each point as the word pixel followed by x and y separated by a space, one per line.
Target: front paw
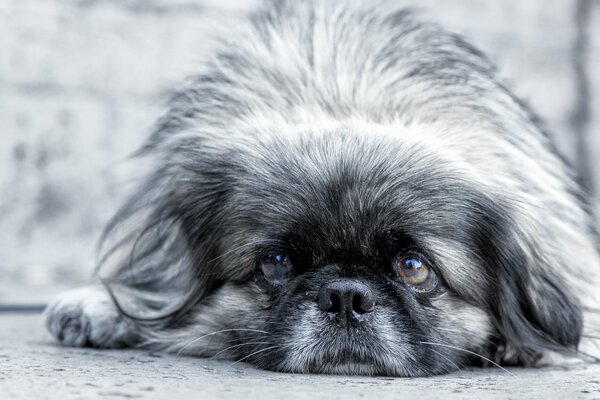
pixel 85 317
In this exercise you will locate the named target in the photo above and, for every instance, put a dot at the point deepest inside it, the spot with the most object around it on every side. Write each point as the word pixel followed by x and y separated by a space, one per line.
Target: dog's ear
pixel 533 306
pixel 158 249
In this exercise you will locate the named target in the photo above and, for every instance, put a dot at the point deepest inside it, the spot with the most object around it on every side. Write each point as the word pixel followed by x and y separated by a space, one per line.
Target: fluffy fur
pixel 344 134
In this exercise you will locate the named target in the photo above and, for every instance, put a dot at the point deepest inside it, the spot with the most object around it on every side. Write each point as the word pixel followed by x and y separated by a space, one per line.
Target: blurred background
pixel 82 81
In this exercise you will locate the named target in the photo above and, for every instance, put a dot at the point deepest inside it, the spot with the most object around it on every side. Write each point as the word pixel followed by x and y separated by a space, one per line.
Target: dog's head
pixel 347 251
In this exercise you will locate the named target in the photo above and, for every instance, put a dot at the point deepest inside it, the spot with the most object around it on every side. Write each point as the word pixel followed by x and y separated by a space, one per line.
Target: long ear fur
pixel 531 300
pixel 158 248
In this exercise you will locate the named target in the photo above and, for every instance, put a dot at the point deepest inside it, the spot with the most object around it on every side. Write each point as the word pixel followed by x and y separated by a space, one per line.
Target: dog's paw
pixel 86 317
pixel 550 358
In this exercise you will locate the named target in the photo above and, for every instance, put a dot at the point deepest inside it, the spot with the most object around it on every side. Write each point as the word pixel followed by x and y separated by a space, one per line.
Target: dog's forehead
pixel 355 201
pixel 348 190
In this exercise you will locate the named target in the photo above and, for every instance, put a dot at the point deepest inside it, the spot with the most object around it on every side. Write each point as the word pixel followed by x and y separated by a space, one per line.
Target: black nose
pixel 348 299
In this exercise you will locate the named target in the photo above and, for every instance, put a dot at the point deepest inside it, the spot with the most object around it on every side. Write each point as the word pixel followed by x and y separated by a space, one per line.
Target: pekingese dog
pixel 346 188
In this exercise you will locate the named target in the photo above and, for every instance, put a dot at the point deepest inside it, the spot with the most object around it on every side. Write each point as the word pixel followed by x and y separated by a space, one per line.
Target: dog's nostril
pixel 335 303
pixel 356 301
pixel 362 304
pixel 347 298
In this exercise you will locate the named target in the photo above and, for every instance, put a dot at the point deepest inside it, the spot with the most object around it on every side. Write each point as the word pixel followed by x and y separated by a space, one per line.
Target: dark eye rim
pixel 268 252
pixel 434 282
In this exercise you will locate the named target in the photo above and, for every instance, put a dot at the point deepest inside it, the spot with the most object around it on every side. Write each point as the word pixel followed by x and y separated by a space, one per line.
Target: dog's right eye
pixel 276 267
pixel 416 272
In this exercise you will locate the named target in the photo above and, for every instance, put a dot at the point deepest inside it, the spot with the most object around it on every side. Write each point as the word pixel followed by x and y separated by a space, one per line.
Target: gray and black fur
pixel 344 134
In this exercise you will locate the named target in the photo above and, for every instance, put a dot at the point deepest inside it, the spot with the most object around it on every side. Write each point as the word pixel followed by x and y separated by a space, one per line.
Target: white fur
pixel 87 316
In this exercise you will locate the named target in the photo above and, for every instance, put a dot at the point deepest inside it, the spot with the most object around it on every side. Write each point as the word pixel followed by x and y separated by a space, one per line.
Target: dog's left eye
pixel 276 267
pixel 416 272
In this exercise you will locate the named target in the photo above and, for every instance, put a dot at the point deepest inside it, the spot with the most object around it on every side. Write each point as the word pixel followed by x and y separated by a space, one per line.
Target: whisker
pixel 216 333
pixel 447 359
pixel 252 354
pixel 591 336
pixel 591 309
pixel 237 345
pixel 470 352
pixel 593 357
pixel 439 328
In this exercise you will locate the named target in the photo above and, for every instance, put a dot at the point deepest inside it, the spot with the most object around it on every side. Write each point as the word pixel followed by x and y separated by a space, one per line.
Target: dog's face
pixel 360 247
pixel 344 250
pixel 351 253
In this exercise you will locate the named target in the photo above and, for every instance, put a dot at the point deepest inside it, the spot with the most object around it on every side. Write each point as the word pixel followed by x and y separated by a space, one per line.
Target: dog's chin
pixel 346 360
pixel 342 360
pixel 346 356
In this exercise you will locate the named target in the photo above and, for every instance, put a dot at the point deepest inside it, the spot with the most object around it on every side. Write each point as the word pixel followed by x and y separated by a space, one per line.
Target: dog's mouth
pixel 343 361
pixel 346 357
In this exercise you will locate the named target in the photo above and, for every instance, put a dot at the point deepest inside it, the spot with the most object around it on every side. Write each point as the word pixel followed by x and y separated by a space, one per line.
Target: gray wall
pixel 81 82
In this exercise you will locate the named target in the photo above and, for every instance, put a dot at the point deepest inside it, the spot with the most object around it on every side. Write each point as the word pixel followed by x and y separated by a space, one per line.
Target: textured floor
pixel 32 366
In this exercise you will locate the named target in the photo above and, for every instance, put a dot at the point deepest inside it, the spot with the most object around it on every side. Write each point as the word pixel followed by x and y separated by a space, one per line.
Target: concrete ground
pixel 33 366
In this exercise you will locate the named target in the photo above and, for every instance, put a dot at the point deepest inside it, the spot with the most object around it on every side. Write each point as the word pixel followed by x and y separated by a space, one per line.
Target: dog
pixel 347 188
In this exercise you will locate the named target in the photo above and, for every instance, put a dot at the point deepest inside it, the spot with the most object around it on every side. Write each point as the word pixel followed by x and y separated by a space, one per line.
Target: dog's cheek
pixel 230 314
pixel 239 304
pixel 461 324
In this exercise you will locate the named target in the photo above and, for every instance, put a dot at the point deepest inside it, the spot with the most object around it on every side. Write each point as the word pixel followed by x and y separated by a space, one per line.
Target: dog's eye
pixel 276 267
pixel 416 272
